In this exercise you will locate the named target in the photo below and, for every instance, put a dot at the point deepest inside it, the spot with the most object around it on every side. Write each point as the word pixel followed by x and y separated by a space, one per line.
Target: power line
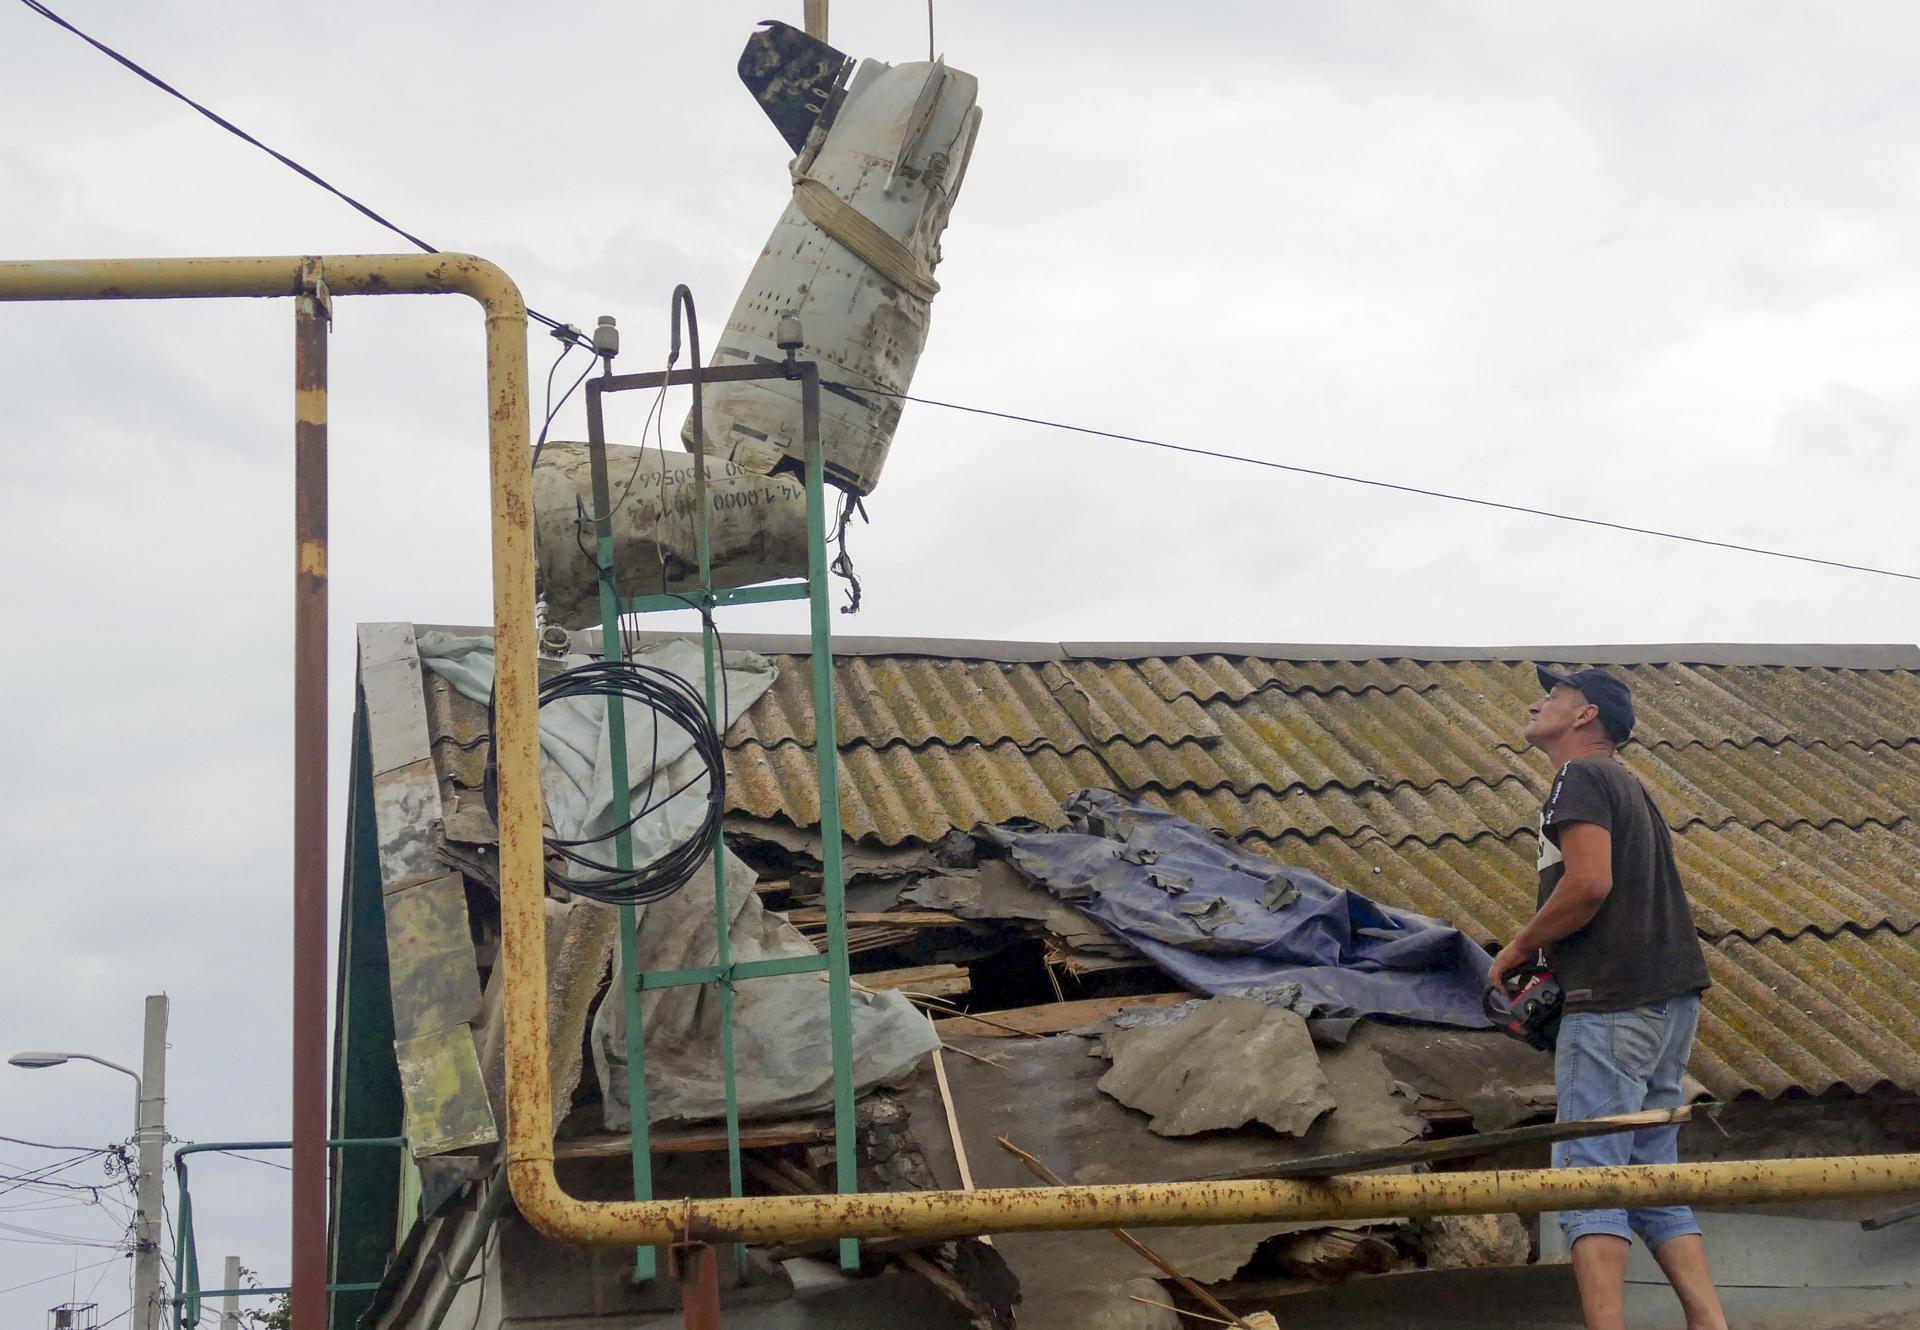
pixel 64 1274
pixel 1398 487
pixel 41 1237
pixel 251 1159
pixel 43 1177
pixel 572 335
pixel 69 1149
pixel 305 173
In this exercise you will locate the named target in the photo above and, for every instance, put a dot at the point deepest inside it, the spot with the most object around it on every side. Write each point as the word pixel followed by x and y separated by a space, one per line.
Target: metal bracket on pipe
pixel 313 282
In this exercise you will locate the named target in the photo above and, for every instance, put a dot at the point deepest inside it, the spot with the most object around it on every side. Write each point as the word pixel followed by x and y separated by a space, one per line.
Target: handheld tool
pixel 1528 1006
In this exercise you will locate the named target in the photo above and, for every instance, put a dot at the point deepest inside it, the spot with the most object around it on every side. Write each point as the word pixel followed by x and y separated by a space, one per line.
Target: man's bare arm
pixel 1577 898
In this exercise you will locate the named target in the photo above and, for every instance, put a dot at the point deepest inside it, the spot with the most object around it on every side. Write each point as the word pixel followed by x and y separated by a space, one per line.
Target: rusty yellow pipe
pixel 517 732
pixel 798 1218
pixel 506 331
pixel 947 1214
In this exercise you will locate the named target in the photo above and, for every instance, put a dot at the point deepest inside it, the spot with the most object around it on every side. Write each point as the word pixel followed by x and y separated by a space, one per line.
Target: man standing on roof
pixel 1614 923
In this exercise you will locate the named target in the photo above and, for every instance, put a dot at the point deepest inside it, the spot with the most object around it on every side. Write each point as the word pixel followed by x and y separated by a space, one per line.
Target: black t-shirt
pixel 1642 946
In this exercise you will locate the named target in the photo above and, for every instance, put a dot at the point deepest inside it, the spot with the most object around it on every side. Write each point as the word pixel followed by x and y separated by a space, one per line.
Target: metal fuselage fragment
pixel 852 257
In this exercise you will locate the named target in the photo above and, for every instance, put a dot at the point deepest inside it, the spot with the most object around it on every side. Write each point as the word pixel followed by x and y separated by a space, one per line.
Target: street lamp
pixel 150 1132
pixel 37 1060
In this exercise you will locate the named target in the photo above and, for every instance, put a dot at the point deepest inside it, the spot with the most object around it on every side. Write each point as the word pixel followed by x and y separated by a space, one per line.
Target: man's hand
pixel 1511 957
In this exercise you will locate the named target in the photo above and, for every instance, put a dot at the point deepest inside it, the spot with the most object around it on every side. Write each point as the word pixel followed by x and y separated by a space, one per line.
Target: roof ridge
pixel 1741 745
pixel 1831 655
pixel 1824 934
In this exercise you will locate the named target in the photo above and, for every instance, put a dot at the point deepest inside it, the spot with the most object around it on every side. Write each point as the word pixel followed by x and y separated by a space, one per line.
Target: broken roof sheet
pixel 1789 773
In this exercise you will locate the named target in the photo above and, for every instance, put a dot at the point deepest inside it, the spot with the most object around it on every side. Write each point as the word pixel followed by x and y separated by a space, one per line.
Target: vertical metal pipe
pixel 186 1262
pixel 613 647
pixel 311 310
pixel 827 751
pixel 716 709
pixel 699 1286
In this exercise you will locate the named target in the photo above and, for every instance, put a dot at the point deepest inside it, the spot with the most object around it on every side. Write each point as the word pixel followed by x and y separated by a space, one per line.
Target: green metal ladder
pixel 706 599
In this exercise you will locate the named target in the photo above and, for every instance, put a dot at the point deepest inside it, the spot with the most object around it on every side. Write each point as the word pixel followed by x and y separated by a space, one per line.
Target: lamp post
pixel 150 1134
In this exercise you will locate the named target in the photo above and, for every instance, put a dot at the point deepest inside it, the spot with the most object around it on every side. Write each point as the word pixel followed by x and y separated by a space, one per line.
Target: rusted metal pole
pixel 699 1285
pixel 311 313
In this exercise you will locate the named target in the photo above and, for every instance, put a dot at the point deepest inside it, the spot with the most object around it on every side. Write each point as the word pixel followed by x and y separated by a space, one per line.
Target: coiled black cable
pixel 673 701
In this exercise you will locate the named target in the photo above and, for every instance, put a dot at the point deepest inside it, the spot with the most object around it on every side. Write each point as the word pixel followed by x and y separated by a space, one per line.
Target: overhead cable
pixel 558 328
pixel 571 334
pixel 1397 487
pixel 64 1274
pixel 42 1145
pixel 251 1159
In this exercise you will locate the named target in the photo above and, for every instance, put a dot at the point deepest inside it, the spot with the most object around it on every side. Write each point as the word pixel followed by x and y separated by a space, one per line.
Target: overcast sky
pixel 1648 263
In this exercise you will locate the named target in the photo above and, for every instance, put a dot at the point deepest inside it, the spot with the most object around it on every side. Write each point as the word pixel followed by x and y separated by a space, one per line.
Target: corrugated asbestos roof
pixel 1791 789
pixel 1790 775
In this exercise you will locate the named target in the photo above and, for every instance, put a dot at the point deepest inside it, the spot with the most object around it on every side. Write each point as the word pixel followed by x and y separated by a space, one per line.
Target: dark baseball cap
pixel 1613 698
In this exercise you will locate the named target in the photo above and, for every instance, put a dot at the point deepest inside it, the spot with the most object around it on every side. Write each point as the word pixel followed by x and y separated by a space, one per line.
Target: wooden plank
pixel 953 1129
pixel 1335 1253
pixel 696 1140
pixel 927 980
pixel 1456 1147
pixel 1051 1017
pixel 1080 964
pixel 814 916
pixel 1892 1217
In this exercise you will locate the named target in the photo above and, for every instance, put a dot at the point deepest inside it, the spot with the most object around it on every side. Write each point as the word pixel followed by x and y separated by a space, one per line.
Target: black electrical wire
pixel 64 1274
pixel 42 1145
pixel 572 334
pixel 1390 485
pixel 558 328
pixel 251 1159
pixel 553 407
pixel 566 350
pixel 672 700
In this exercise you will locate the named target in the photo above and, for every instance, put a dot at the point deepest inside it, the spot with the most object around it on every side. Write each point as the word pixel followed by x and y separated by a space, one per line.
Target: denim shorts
pixel 1610 1062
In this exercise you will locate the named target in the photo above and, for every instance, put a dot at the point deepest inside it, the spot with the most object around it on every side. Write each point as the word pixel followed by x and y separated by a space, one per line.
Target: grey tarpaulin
pixel 1212 916
pixel 783 1050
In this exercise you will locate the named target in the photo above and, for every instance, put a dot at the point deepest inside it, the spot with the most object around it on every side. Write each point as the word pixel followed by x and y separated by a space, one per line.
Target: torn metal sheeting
pixel 406 811
pixel 406 786
pixel 1231 1062
pixel 1499 1081
pixel 446 1097
pixel 995 890
pixel 431 971
pixel 392 689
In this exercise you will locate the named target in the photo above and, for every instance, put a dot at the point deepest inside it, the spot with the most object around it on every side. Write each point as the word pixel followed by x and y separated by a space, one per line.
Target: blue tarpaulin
pixel 1222 920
